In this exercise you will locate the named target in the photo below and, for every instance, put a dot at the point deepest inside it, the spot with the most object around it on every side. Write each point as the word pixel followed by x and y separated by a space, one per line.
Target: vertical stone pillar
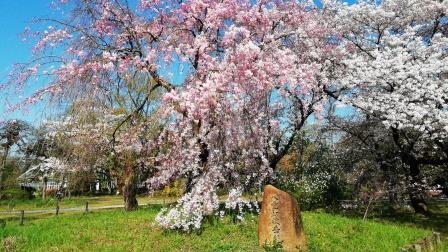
pixel 280 221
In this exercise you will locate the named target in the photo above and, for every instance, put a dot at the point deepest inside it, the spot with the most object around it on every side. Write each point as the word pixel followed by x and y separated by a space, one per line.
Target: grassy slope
pixel 437 220
pixel 116 230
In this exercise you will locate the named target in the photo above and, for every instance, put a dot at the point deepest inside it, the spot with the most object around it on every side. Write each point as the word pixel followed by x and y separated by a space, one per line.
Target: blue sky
pixel 16 15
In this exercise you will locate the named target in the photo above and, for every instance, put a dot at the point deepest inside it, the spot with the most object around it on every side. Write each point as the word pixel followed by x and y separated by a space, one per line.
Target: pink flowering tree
pixel 394 69
pixel 258 74
pixel 253 74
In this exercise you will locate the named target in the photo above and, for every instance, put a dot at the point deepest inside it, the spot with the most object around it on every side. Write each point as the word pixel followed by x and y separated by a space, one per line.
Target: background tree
pixel 316 175
pixel 13 133
pixel 394 69
pixel 107 55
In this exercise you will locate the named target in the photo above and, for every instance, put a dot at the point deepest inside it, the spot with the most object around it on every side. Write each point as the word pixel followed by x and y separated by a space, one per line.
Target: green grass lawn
pixel 116 230
pixel 94 201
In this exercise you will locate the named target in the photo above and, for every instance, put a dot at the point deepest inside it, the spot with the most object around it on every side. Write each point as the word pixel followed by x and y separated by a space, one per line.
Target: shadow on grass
pixel 436 220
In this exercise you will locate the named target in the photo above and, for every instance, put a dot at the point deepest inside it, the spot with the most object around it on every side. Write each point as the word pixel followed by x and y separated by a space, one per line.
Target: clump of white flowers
pixel 236 202
pixel 191 209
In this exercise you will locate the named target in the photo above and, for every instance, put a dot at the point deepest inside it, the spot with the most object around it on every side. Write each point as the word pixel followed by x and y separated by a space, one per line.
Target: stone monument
pixel 280 222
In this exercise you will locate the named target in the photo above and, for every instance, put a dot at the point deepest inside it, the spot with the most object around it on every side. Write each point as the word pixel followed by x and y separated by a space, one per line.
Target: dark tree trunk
pixel 2 169
pixel 416 187
pixel 445 191
pixel 418 203
pixel 391 183
pixel 416 190
pixel 392 196
pixel 109 186
pixel 130 190
pixel 44 187
pixel 109 182
pixel 203 157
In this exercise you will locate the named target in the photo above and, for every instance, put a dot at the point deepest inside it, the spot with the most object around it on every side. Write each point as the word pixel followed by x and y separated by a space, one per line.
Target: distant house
pixel 33 179
pixel 44 176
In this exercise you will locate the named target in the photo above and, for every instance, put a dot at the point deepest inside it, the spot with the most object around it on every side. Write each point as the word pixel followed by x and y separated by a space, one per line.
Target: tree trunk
pixel 130 190
pixel 391 185
pixel 416 187
pixel 109 183
pixel 44 188
pixel 418 203
pixel 392 196
pixel 416 190
pixel 2 169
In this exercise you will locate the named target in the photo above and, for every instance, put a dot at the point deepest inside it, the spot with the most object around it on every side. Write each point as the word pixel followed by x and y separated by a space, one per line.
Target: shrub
pixel 15 193
pixel 174 189
pixel 11 188
pixel 319 189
